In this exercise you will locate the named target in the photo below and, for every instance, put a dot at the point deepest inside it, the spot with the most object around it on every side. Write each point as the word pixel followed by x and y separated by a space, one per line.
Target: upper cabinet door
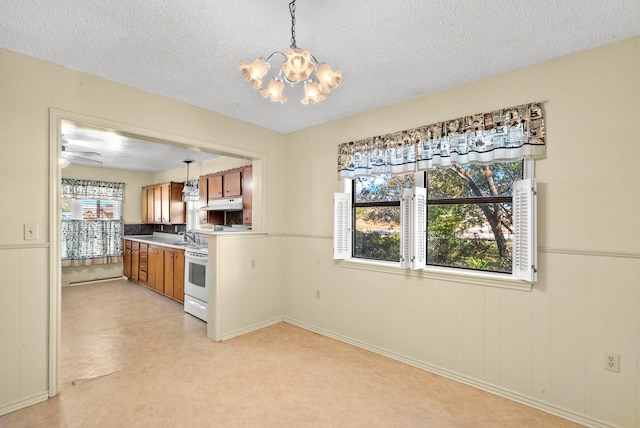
pixel 157 203
pixel 247 196
pixel 232 184
pixel 165 202
pixel 215 186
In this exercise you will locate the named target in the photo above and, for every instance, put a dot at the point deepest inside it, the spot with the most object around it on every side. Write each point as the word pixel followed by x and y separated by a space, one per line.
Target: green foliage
pixel 450 240
pixel 458 234
pixel 390 215
pixel 372 245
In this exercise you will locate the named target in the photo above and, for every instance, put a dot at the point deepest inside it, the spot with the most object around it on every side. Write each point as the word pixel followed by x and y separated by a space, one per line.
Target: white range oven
pixel 195 282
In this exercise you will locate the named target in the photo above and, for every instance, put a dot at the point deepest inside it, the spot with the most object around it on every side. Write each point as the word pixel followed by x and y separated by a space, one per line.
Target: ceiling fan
pixel 79 155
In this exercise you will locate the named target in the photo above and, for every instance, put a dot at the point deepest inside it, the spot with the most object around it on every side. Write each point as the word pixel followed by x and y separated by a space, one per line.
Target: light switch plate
pixel 30 232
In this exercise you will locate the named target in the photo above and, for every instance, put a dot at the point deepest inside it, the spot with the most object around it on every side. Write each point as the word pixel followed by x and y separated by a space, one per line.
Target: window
pixel 376 202
pixel 472 217
pixel 469 216
pixel 91 229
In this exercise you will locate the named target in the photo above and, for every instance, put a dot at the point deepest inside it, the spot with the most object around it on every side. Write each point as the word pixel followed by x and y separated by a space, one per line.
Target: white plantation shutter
pixel 341 226
pixel 406 228
pixel 413 234
pixel 524 226
pixel 420 226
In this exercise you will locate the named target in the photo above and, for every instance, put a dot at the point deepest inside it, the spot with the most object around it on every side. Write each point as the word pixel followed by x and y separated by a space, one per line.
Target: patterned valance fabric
pixel 92 189
pixel 503 135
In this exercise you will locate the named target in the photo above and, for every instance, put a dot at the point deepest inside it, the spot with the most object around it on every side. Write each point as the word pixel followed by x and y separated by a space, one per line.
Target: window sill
pixel 486 279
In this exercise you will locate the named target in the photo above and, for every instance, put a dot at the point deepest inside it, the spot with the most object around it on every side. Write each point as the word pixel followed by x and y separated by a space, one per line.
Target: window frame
pixel 462 275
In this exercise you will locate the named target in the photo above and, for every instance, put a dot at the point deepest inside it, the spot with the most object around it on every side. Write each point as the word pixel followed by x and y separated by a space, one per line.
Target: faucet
pixel 191 235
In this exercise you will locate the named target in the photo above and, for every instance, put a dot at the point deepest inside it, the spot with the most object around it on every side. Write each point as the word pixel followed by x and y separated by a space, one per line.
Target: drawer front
pixel 135 245
pixel 144 256
pixel 143 266
pixel 142 277
pixel 144 247
pixel 127 244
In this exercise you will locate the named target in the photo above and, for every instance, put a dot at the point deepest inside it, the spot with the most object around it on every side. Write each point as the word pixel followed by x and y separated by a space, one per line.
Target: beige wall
pixel 544 347
pixel 33 91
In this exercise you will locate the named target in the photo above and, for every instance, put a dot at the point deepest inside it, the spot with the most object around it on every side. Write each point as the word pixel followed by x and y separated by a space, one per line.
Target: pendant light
pixel 190 189
pixel 299 66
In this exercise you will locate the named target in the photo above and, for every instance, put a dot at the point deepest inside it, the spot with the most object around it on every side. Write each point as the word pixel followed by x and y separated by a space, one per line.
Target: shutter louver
pixel 524 226
pixel 341 226
pixel 406 228
pixel 413 245
pixel 420 227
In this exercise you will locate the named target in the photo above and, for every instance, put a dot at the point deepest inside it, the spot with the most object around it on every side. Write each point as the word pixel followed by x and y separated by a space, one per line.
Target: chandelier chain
pixel 292 11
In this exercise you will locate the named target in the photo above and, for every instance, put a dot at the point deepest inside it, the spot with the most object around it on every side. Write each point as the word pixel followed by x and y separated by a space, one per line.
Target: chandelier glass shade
pixel 298 66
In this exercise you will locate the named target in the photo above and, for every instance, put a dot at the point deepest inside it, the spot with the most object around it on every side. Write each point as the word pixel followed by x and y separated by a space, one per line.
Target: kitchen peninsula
pixel 241 297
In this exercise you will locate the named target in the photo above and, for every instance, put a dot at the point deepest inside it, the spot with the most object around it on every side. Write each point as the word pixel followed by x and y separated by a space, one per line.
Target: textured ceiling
pixel 388 51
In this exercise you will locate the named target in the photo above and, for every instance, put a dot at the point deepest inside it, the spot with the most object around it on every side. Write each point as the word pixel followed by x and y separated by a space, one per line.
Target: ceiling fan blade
pixel 74 153
pixel 79 152
pixel 73 158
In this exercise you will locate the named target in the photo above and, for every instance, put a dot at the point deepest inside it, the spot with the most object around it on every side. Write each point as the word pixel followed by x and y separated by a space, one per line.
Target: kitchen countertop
pixel 166 240
pixel 177 241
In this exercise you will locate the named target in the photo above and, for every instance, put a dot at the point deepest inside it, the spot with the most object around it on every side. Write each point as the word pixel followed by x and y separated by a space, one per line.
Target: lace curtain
pixel 92 241
pixel 502 135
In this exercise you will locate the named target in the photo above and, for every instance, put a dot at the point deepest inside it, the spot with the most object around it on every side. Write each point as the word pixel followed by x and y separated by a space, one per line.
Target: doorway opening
pixel 137 155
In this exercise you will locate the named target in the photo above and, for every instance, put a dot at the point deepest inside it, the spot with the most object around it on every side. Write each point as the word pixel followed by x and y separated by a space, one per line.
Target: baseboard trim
pixel 251 328
pixel 21 404
pixel 94 281
pixel 488 387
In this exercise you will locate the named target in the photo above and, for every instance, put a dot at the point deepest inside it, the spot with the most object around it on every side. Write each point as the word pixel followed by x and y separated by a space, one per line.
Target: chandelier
pixel 299 66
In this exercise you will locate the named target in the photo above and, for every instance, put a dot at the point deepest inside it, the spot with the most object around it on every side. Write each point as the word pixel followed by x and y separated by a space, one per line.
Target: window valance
pixel 91 189
pixel 502 135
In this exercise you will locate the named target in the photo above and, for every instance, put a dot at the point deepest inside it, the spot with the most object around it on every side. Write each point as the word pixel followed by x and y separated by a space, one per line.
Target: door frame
pixel 55 173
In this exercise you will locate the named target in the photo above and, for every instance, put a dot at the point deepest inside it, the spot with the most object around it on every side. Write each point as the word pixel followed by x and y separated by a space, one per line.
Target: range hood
pixel 224 204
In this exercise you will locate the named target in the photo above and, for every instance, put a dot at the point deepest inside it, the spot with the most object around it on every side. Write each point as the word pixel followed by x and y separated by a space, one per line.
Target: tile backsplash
pixel 149 229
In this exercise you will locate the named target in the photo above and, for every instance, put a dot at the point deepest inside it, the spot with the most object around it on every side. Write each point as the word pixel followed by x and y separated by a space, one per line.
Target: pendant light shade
pixel 274 91
pixel 254 72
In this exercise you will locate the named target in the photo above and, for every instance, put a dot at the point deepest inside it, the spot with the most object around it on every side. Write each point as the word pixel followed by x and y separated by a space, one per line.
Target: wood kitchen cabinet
pixel 203 197
pixel 214 187
pixel 156 268
pixel 126 262
pixel 147 204
pixel 227 184
pixel 142 261
pixel 135 261
pixel 174 273
pixel 162 203
pixel 232 184
pixel 247 195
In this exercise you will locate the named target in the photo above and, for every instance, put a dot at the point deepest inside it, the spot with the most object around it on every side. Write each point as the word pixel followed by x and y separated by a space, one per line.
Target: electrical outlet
pixel 317 294
pixel 612 362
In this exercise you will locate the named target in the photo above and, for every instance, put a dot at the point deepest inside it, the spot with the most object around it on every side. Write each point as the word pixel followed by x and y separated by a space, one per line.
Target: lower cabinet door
pixel 174 274
pixel 178 276
pixel 155 268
